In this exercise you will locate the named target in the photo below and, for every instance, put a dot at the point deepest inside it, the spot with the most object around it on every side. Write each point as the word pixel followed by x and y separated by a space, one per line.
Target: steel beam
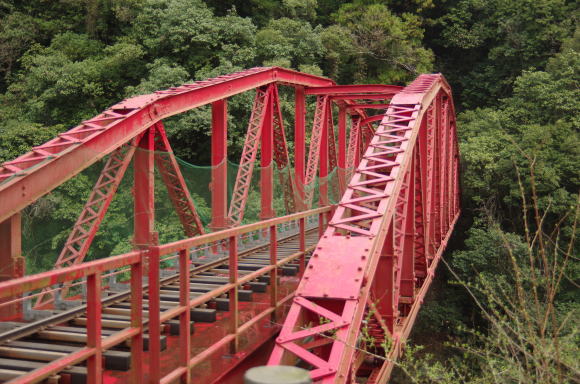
pixel 249 153
pixel 219 163
pixel 26 178
pixel 175 183
pixel 11 261
pixel 342 148
pixel 85 228
pixel 266 159
pixel 300 142
pixel 143 191
pixel 338 90
pixel 368 247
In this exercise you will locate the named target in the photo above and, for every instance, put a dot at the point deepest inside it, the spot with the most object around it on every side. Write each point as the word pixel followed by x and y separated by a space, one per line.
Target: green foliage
pixel 539 122
pixel 514 68
pixel 489 43
pixel 73 79
pixel 292 40
pixel 189 33
pixel 384 47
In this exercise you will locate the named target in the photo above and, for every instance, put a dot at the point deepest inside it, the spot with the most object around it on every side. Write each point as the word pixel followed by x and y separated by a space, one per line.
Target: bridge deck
pixel 65 331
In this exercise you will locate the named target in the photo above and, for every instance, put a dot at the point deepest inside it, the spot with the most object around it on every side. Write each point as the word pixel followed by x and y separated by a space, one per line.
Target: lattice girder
pixel 85 228
pixel 373 235
pixel 281 156
pixel 175 183
pixel 249 153
pixel 320 118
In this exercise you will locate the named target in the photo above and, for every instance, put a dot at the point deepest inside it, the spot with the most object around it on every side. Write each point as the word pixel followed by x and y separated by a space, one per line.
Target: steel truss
pixel 381 244
pixel 398 175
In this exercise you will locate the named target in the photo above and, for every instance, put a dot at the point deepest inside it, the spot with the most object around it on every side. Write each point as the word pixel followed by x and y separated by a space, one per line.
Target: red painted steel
pixel 51 164
pixel 219 163
pixel 266 136
pixel 371 244
pixel 299 143
pixel 342 149
pixel 332 155
pixel 383 242
pixel 249 153
pixel 314 150
pixel 281 155
pixel 175 183
pixel 12 262
pixel 87 225
pixel 353 145
pixel 338 90
pixel 144 191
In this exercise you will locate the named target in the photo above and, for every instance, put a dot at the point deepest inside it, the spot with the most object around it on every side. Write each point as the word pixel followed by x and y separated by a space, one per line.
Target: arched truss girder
pixel 30 176
pixel 383 243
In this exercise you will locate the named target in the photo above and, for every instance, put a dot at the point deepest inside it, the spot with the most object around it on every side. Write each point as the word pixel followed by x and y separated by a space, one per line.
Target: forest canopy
pixel 514 70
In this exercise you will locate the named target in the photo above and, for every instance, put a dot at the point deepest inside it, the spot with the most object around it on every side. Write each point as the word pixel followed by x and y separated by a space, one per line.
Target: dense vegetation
pixel 504 308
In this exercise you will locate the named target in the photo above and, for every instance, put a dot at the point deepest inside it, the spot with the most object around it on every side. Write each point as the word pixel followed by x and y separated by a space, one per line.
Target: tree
pixel 73 79
pixel 485 45
pixel 290 43
pixel 385 48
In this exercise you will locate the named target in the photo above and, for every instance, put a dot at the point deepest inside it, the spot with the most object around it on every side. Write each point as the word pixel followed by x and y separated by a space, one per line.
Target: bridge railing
pixel 148 261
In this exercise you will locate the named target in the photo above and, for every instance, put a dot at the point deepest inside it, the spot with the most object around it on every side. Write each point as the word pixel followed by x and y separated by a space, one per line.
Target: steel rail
pixel 32 328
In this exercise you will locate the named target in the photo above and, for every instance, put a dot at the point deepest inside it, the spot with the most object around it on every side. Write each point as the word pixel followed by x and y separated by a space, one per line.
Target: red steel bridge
pixel 332 288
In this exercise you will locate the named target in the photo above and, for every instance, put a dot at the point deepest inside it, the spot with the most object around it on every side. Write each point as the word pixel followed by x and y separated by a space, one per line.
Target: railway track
pixel 28 346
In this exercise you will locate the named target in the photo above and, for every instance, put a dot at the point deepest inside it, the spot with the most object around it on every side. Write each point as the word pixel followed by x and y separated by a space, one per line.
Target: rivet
pixel 310 266
pixel 359 268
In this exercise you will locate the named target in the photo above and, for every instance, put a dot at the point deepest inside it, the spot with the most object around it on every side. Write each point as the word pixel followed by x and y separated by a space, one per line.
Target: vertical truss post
pixel 383 289
pixel 302 240
pixel 299 143
pixel 143 190
pixel 185 316
pixel 407 289
pixel 219 163
pixel 443 167
pixel 437 179
pixel 266 160
pixel 400 225
pixel 95 362
pixel 430 187
pixel 419 215
pixel 11 261
pixel 233 293
pixel 324 159
pixel 136 375
pixel 154 317
pixel 175 183
pixel 342 148
pixel 274 272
